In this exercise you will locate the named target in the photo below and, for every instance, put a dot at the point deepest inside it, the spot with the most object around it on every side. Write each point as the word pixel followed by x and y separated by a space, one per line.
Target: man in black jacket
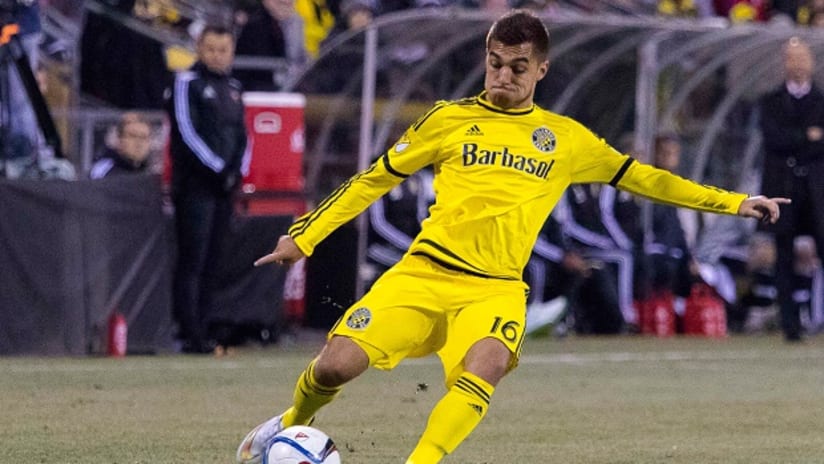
pixel 792 118
pixel 209 154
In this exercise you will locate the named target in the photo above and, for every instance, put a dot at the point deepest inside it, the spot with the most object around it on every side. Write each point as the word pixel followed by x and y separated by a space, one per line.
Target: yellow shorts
pixel 418 308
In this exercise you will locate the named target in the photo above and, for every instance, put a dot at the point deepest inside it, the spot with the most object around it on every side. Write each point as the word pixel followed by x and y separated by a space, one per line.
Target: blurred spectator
pixel 21 132
pixel 754 274
pixel 677 8
pixel 357 14
pixel 793 10
pixel 810 13
pixel 668 255
pixel 209 153
pixel 543 7
pixel 554 270
pixel 491 6
pixel 72 9
pixel 334 73
pixel 580 215
pixel 806 291
pixel 792 124
pixel 318 21
pixel 588 287
pixel 817 19
pixel 731 259
pixel 274 30
pixel 352 15
pixel 621 211
pixel 131 150
pixel 27 16
pixel 120 66
pixel 406 57
pixel 742 11
pixel 621 216
pixel 29 143
pixel 159 12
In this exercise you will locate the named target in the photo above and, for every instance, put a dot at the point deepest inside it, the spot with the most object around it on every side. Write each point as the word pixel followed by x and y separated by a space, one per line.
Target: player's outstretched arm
pixel 762 208
pixel 286 252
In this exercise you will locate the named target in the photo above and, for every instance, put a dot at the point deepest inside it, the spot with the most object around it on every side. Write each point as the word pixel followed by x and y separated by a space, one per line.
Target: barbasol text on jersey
pixel 473 155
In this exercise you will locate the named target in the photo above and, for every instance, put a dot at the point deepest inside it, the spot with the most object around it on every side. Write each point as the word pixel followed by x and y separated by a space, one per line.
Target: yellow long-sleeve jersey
pixel 498 174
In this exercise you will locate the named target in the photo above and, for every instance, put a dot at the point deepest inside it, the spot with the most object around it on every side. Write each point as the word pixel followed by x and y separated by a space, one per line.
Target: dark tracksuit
pixel 668 254
pixel 793 168
pixel 584 226
pixel 208 151
pixel 111 163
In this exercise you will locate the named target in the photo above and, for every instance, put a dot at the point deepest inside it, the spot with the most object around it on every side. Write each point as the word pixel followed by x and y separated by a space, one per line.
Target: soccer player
pixel 500 163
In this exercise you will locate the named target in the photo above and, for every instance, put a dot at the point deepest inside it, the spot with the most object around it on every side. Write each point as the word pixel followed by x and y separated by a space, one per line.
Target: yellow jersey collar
pixel 484 102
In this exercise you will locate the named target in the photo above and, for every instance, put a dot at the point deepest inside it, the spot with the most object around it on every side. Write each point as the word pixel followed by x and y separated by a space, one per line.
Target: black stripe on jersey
pixel 452 267
pixel 426 116
pixel 450 254
pixel 621 172
pixel 385 158
pixel 473 389
pixel 297 224
pixel 300 227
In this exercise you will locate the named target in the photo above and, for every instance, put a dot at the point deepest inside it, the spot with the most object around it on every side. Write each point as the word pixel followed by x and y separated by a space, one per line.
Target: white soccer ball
pixel 300 444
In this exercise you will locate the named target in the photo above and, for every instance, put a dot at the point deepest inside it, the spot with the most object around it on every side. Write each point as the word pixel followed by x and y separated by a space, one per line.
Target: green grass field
pixel 622 400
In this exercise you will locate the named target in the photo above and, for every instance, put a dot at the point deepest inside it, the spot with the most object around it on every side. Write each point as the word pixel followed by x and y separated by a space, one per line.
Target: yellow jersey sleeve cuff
pixel 303 245
pixel 738 198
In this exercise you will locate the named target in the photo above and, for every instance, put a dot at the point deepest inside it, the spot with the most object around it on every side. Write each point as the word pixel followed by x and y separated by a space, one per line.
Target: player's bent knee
pixel 340 361
pixel 489 359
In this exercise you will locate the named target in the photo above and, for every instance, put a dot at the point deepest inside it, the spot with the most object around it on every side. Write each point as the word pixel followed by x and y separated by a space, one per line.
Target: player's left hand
pixel 762 208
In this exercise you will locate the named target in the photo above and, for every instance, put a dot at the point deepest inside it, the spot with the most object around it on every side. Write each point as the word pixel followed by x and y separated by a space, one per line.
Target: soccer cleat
pixel 252 447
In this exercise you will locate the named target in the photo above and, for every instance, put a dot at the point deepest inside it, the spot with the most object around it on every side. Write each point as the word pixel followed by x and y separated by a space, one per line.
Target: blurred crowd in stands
pixel 593 254
pixel 291 33
pixel 594 251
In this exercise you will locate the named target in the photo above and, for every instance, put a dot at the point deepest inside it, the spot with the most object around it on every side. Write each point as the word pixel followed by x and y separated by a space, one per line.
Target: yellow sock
pixel 308 398
pixel 452 420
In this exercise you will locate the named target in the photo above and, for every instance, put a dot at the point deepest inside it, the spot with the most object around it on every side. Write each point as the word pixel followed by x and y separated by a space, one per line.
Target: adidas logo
pixel 474 130
pixel 477 408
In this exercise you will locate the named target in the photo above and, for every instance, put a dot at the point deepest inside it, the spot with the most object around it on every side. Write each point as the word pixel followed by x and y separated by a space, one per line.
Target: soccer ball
pixel 300 444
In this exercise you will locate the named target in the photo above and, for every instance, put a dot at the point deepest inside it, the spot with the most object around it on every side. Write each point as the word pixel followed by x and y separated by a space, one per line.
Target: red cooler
pixel 275 124
pixel 706 313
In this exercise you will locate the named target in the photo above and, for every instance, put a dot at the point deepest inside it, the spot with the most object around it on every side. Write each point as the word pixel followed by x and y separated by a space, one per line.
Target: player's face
pixel 512 71
pixel 217 51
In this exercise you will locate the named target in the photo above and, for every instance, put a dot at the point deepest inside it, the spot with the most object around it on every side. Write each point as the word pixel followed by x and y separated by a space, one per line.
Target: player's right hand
pixel 286 252
pixel 767 210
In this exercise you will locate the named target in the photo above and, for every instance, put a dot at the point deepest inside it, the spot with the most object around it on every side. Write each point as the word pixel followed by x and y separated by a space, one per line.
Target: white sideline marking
pixel 148 364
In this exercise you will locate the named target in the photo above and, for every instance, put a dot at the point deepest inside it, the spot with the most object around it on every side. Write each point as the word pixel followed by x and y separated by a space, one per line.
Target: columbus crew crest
pixel 359 319
pixel 543 139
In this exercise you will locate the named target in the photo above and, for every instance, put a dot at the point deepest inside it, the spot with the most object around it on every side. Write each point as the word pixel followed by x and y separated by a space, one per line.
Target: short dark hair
pixel 216 30
pixel 520 26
